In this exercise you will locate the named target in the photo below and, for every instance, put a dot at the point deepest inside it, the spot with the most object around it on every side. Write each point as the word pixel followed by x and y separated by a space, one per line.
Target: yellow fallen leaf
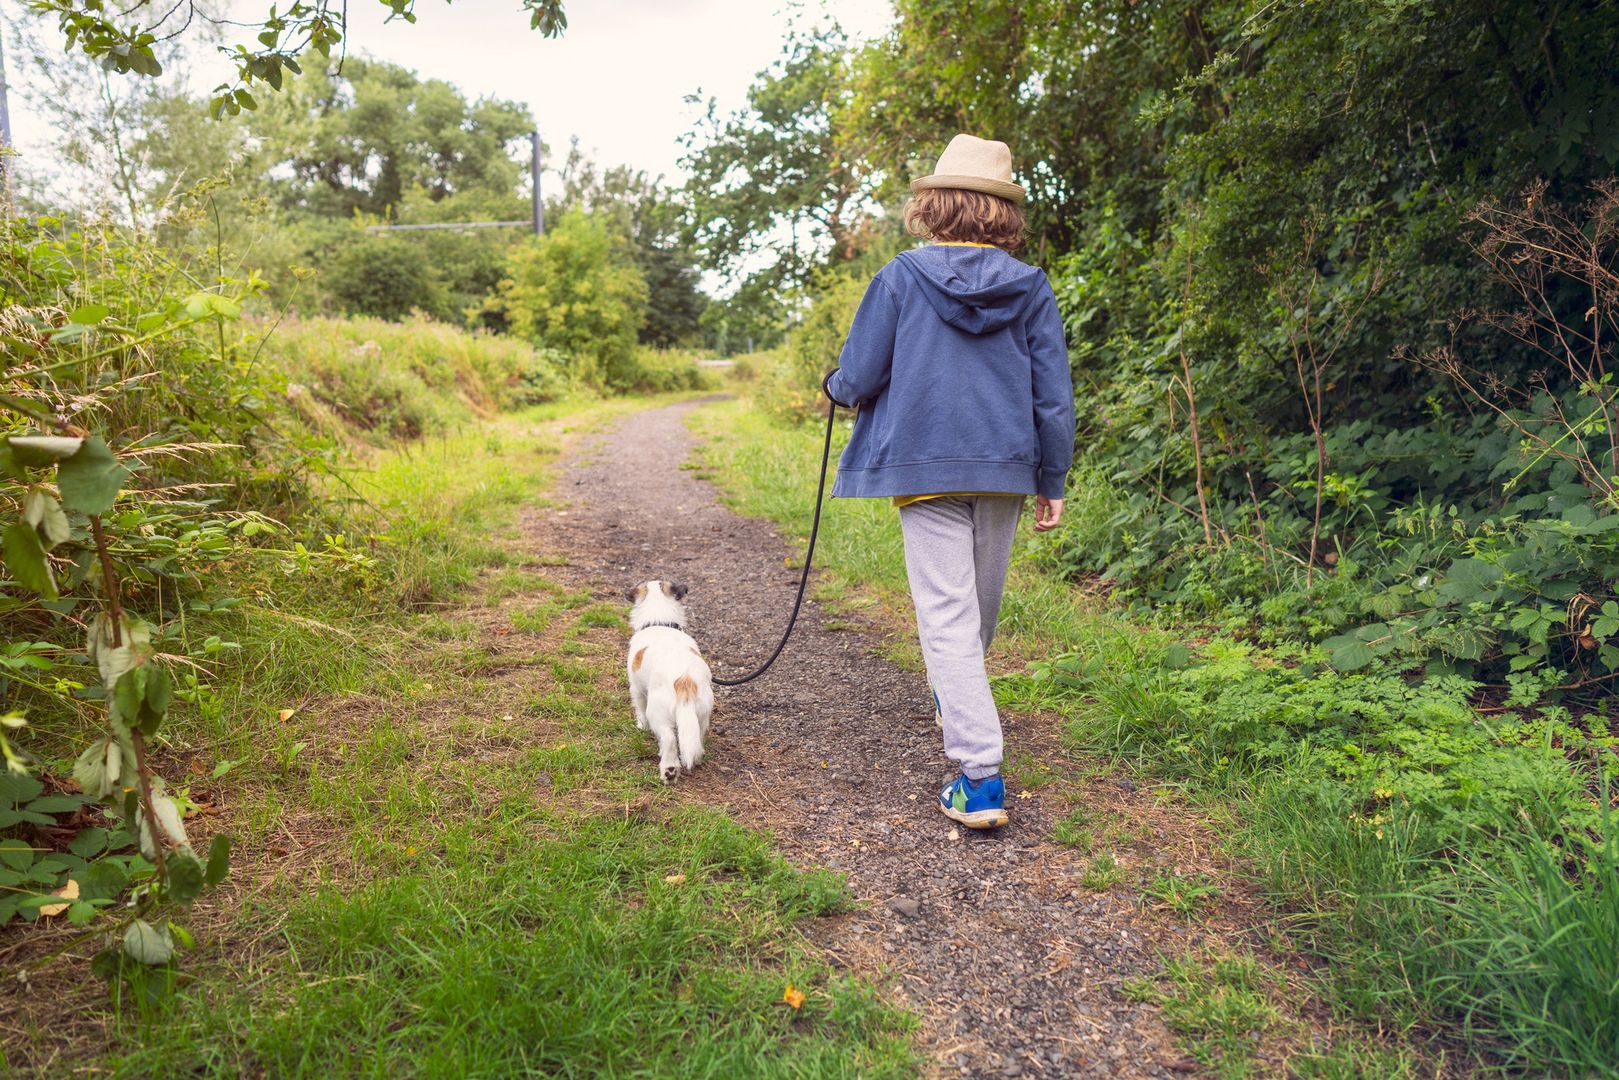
pixel 823 764
pixel 1025 794
pixel 285 714
pixel 793 996
pixel 410 851
pixel 70 891
pixel 674 879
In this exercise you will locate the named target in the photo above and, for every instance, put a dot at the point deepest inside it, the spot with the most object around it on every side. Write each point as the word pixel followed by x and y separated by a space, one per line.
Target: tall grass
pixel 385 380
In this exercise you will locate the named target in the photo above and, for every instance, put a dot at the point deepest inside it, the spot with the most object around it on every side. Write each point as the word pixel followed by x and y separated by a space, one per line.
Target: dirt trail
pixel 1013 965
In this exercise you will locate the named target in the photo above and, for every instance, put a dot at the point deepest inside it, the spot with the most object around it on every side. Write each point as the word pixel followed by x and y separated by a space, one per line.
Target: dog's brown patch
pixel 640 654
pixel 640 592
pixel 685 689
pixel 667 591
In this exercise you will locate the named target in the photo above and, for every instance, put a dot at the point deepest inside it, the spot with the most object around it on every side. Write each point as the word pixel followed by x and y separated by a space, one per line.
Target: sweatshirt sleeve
pixel 1053 396
pixel 868 352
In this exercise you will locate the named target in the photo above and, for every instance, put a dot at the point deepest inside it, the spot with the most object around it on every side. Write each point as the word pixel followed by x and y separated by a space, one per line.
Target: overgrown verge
pixel 290 517
pixel 452 855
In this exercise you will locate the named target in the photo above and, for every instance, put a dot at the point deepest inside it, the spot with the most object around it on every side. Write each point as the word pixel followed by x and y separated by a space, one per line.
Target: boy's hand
pixel 1047 513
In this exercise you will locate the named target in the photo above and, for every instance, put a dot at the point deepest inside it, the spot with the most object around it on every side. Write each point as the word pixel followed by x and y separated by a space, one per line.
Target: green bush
pixel 790 380
pixel 386 277
pixel 657 371
pixel 577 291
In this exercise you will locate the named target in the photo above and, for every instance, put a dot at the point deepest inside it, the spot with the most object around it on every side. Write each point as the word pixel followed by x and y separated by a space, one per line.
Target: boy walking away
pixel 957 366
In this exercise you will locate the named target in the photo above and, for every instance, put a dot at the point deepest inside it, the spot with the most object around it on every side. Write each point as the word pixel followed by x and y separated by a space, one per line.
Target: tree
pixel 653 219
pixel 577 289
pixel 364 139
pixel 129 41
pixel 775 178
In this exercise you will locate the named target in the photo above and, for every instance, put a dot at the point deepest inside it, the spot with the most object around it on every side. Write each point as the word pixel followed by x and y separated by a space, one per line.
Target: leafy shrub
pixel 1442 859
pixel 576 291
pixel 107 542
pixel 663 370
pixel 386 277
pixel 790 381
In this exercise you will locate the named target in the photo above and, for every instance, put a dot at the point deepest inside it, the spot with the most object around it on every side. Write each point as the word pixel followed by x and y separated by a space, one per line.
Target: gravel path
pixel 1014 967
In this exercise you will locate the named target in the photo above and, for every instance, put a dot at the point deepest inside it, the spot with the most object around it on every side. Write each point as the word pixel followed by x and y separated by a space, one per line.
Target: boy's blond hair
pixel 953 214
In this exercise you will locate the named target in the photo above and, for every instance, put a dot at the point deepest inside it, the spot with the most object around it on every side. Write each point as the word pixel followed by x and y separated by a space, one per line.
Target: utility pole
pixel 5 136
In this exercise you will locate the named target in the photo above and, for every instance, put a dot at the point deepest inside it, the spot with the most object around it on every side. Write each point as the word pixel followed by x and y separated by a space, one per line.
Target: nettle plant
pixel 91 524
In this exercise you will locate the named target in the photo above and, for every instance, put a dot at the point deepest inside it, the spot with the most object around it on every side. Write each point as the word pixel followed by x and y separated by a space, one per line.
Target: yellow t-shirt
pixel 906 500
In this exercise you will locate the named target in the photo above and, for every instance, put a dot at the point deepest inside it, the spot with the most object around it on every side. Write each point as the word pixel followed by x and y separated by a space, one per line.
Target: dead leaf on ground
pixel 67 892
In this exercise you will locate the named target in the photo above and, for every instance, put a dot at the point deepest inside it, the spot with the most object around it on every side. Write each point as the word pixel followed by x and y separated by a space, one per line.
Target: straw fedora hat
pixel 974 164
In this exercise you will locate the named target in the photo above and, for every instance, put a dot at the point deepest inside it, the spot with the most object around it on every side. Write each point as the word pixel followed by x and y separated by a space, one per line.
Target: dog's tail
pixel 688 728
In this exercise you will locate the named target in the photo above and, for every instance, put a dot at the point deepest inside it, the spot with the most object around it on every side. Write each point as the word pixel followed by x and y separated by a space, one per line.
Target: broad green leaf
pixel 218 860
pixel 43 512
pixel 90 314
pixel 128 695
pixel 57 804
pixel 79 913
pixel 15 790
pixel 41 450
pixel 148 944
pixel 89 842
pixel 159 689
pixel 1352 655
pixel 185 877
pixel 90 479
pixel 16 854
pixel 1468 580
pixel 25 558
pixel 104 880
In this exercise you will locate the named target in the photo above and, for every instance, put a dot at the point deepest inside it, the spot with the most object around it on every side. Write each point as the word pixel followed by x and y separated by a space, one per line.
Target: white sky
pixel 617 78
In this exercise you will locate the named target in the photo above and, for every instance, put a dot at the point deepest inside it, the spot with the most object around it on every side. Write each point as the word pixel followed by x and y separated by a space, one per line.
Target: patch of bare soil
pixel 1015 967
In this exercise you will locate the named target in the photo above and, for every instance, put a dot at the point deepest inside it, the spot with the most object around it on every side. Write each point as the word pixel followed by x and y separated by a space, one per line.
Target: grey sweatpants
pixel 956 553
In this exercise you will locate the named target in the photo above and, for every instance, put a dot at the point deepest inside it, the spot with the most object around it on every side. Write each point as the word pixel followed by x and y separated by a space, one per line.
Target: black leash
pixel 809 555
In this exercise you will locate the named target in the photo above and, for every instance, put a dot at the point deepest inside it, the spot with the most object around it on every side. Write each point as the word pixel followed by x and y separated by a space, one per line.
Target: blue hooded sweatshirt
pixel 957 362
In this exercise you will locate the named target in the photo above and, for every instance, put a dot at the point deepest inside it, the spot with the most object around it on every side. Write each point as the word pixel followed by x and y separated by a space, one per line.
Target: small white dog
pixel 670 685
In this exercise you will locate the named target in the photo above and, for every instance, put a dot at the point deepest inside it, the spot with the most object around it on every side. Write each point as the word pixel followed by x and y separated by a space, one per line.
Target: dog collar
pixel 670 625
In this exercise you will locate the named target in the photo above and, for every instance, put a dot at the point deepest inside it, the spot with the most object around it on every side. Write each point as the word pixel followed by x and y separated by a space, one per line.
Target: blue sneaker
pixel 977 804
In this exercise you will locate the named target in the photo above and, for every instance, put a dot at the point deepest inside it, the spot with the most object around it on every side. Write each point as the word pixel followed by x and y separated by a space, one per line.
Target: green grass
pixel 498 951
pixel 1103 873
pixel 473 870
pixel 1219 1003
pixel 1182 895
pixel 1075 830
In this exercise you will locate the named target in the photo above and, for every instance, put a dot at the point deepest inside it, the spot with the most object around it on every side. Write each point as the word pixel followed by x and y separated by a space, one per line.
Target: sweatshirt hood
pixel 975 289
